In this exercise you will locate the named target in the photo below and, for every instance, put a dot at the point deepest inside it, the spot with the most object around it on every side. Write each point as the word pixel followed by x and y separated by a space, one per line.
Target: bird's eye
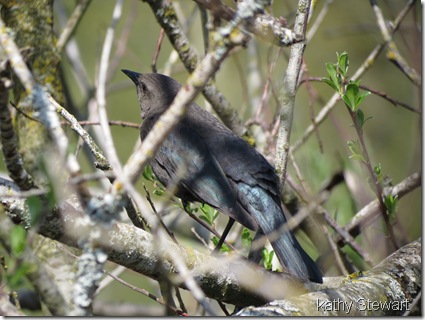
pixel 143 87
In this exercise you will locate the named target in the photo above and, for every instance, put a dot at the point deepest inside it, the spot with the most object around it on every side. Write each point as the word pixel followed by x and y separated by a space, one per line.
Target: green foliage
pixel 267 258
pixel 348 90
pixel 352 97
pixel 391 203
pixel 15 270
pixel 356 150
pixel 208 214
pixel 18 240
pixel 246 238
pixel 224 247
pixel 148 173
pixel 16 278
pixel 35 206
pixel 378 172
pixel 150 176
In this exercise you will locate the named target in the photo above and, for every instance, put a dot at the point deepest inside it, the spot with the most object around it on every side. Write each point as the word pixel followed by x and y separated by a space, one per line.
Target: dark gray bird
pixel 212 165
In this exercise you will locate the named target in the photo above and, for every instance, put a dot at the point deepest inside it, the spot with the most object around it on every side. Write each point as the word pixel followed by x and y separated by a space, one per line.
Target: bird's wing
pixel 185 160
pixel 238 160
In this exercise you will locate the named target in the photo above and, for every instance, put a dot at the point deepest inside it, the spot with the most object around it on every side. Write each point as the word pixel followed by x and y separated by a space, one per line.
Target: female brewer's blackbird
pixel 210 164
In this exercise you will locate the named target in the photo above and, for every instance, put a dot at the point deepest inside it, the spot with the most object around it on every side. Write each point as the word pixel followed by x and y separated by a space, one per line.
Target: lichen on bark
pixel 31 25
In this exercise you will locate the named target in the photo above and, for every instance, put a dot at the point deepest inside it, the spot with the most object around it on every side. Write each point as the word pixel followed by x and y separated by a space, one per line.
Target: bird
pixel 208 163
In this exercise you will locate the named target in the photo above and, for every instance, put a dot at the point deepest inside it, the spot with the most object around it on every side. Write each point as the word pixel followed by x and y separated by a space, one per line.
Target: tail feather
pixel 270 218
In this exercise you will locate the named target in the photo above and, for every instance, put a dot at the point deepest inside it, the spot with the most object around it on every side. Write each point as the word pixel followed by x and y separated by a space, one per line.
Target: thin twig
pixel 381 94
pixel 312 30
pixel 121 45
pixel 377 184
pixel 108 144
pixel 158 48
pixel 393 54
pixel 72 24
pixel 110 122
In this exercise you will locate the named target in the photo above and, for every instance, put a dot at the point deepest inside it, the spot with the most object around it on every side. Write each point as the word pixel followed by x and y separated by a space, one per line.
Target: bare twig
pixel 108 144
pixel 124 124
pixel 287 97
pixel 381 94
pixel 158 48
pixel 393 53
pixel 121 45
pixel 72 24
pixel 312 30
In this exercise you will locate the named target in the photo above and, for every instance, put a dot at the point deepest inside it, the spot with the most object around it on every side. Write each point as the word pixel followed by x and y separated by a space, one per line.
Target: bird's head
pixel 155 91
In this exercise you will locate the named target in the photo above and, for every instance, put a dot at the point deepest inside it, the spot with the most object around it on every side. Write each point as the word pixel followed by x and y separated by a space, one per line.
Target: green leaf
pixel 35 207
pixel 343 63
pixel 16 279
pixel 18 240
pixel 331 69
pixel 267 258
pixel 246 238
pixel 158 192
pixel 208 214
pixel 391 202
pixel 148 173
pixel 378 172
pixel 331 84
pixel 362 97
pixel 356 150
pixel 205 218
pixel 351 92
pixel 224 247
pixel 360 119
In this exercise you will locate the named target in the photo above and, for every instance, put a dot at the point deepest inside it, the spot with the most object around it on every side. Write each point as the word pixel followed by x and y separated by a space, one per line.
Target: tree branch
pixel 289 88
pixel 386 290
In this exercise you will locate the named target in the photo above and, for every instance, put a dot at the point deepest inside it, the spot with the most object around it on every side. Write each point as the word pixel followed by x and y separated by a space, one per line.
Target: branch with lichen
pixel 36 40
pixel 264 26
pixel 389 289
pixel 9 139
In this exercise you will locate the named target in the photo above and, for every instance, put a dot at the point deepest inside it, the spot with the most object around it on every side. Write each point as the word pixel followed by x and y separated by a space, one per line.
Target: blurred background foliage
pixel 393 134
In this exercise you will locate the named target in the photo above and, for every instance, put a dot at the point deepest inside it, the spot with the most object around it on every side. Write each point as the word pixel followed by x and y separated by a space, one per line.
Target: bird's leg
pixel 224 235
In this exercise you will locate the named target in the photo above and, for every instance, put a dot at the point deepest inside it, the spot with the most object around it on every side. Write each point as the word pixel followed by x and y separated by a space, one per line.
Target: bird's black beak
pixel 134 76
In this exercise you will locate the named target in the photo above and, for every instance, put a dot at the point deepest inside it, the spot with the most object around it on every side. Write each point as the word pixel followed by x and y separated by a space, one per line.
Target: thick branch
pixel 386 290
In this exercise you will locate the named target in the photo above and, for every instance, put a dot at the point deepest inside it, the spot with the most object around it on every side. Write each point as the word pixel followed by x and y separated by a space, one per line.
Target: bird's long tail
pixel 270 218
